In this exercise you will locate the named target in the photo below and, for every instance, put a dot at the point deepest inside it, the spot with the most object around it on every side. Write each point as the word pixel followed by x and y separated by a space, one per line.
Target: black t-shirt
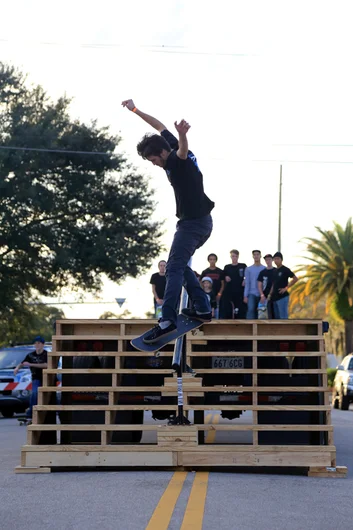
pixel 266 277
pixel 216 276
pixel 159 282
pixel 32 357
pixel 212 298
pixel 237 275
pixel 280 280
pixel 187 181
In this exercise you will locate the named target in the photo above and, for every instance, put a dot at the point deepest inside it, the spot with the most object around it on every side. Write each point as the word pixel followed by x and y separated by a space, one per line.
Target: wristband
pixel 134 109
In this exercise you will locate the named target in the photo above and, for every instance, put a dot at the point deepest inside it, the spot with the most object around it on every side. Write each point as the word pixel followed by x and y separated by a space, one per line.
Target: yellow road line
pixel 163 513
pixel 195 508
pixel 208 418
pixel 194 512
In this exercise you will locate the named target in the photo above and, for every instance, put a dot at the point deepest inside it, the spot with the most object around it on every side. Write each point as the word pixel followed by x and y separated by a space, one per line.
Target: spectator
pixel 216 275
pixel 251 292
pixel 265 283
pixel 232 304
pixel 37 361
pixel 158 282
pixel 207 286
pixel 279 290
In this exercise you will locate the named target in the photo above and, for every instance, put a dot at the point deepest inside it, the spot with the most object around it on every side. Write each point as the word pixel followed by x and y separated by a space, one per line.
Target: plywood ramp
pixel 96 389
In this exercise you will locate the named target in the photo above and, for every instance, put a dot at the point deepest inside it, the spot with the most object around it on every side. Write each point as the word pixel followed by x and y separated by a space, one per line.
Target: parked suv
pixel 343 384
pixel 15 400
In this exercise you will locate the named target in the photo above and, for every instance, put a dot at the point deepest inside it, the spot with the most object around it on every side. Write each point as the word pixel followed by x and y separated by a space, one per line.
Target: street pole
pixel 280 211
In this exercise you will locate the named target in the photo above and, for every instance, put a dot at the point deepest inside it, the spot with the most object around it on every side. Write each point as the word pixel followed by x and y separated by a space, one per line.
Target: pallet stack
pixel 275 369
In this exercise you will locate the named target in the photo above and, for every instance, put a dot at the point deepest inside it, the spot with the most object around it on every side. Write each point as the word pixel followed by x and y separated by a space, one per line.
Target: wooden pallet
pixel 280 343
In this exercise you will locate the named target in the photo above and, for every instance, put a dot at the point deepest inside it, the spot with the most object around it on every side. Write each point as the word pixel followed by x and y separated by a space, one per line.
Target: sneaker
pixel 158 333
pixel 191 313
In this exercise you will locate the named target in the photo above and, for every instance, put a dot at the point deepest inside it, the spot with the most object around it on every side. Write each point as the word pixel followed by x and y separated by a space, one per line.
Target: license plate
pixel 228 362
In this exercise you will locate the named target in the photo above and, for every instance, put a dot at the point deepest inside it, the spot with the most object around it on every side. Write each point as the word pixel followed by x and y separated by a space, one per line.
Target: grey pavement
pixel 126 500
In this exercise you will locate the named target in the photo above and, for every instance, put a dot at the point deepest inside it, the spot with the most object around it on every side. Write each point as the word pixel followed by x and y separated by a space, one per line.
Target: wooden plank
pixel 255 434
pixel 28 469
pixel 108 322
pixel 151 406
pixel 258 407
pixel 149 321
pixel 274 459
pixel 167 388
pixel 173 445
pixel 190 337
pixel 257 354
pixel 164 429
pixel 202 448
pixel 107 354
pixel 259 337
pixel 328 472
pixel 108 371
pixel 100 458
pixel 252 371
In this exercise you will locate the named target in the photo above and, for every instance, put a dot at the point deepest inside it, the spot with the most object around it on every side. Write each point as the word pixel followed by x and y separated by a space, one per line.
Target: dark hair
pixel 162 261
pixel 259 251
pixel 39 339
pixel 152 145
pixel 234 252
pixel 278 255
pixel 212 254
pixel 268 256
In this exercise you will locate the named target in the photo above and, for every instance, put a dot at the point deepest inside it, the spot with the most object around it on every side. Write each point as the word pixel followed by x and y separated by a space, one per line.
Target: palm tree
pixel 329 274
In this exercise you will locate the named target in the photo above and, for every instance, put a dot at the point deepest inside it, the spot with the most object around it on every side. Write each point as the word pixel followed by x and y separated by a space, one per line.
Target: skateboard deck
pixel 24 420
pixel 184 325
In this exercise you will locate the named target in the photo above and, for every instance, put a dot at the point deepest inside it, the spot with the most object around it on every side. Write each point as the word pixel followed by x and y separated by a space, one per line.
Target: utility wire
pixel 40 150
pixel 159 48
pixel 43 150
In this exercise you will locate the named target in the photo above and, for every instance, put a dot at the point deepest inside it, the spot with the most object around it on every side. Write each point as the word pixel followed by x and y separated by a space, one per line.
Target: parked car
pixel 343 384
pixel 16 398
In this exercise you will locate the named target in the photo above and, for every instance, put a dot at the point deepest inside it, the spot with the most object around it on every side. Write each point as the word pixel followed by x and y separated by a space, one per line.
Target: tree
pixel 308 307
pixel 329 274
pixel 66 217
pixel 32 319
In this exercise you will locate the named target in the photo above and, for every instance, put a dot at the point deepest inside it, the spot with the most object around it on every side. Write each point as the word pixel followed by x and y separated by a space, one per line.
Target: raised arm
pixel 156 124
pixel 182 129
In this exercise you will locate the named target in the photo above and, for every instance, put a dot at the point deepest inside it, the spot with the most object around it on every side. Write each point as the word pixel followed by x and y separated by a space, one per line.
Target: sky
pixel 261 83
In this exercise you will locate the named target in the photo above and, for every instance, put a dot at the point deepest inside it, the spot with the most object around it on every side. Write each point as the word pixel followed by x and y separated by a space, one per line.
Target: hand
pixel 159 301
pixel 262 297
pixel 228 279
pixel 26 364
pixel 218 297
pixel 245 300
pixel 182 127
pixel 15 372
pixel 282 291
pixel 128 103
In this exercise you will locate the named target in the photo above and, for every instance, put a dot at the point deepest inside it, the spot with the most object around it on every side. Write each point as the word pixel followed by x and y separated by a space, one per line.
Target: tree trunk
pixel 348 328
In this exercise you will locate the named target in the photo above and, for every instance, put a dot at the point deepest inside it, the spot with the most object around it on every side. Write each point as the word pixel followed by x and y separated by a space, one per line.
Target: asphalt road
pixel 144 500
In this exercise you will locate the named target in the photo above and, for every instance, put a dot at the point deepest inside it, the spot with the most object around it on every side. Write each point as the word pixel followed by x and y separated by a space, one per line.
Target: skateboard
pixel 184 325
pixel 24 420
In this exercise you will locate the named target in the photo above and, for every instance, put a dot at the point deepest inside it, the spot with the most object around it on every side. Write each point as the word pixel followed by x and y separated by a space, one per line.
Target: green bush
pixel 331 372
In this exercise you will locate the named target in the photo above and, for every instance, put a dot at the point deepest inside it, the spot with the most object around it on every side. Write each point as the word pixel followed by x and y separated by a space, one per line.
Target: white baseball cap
pixel 206 279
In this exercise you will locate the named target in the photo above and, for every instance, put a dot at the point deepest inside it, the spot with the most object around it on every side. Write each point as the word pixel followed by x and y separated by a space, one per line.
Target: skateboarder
pixel 37 361
pixel 193 209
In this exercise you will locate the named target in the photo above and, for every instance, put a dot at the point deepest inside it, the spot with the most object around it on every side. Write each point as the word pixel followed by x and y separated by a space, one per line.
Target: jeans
pixel 253 302
pixel 190 235
pixel 280 308
pixel 34 397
